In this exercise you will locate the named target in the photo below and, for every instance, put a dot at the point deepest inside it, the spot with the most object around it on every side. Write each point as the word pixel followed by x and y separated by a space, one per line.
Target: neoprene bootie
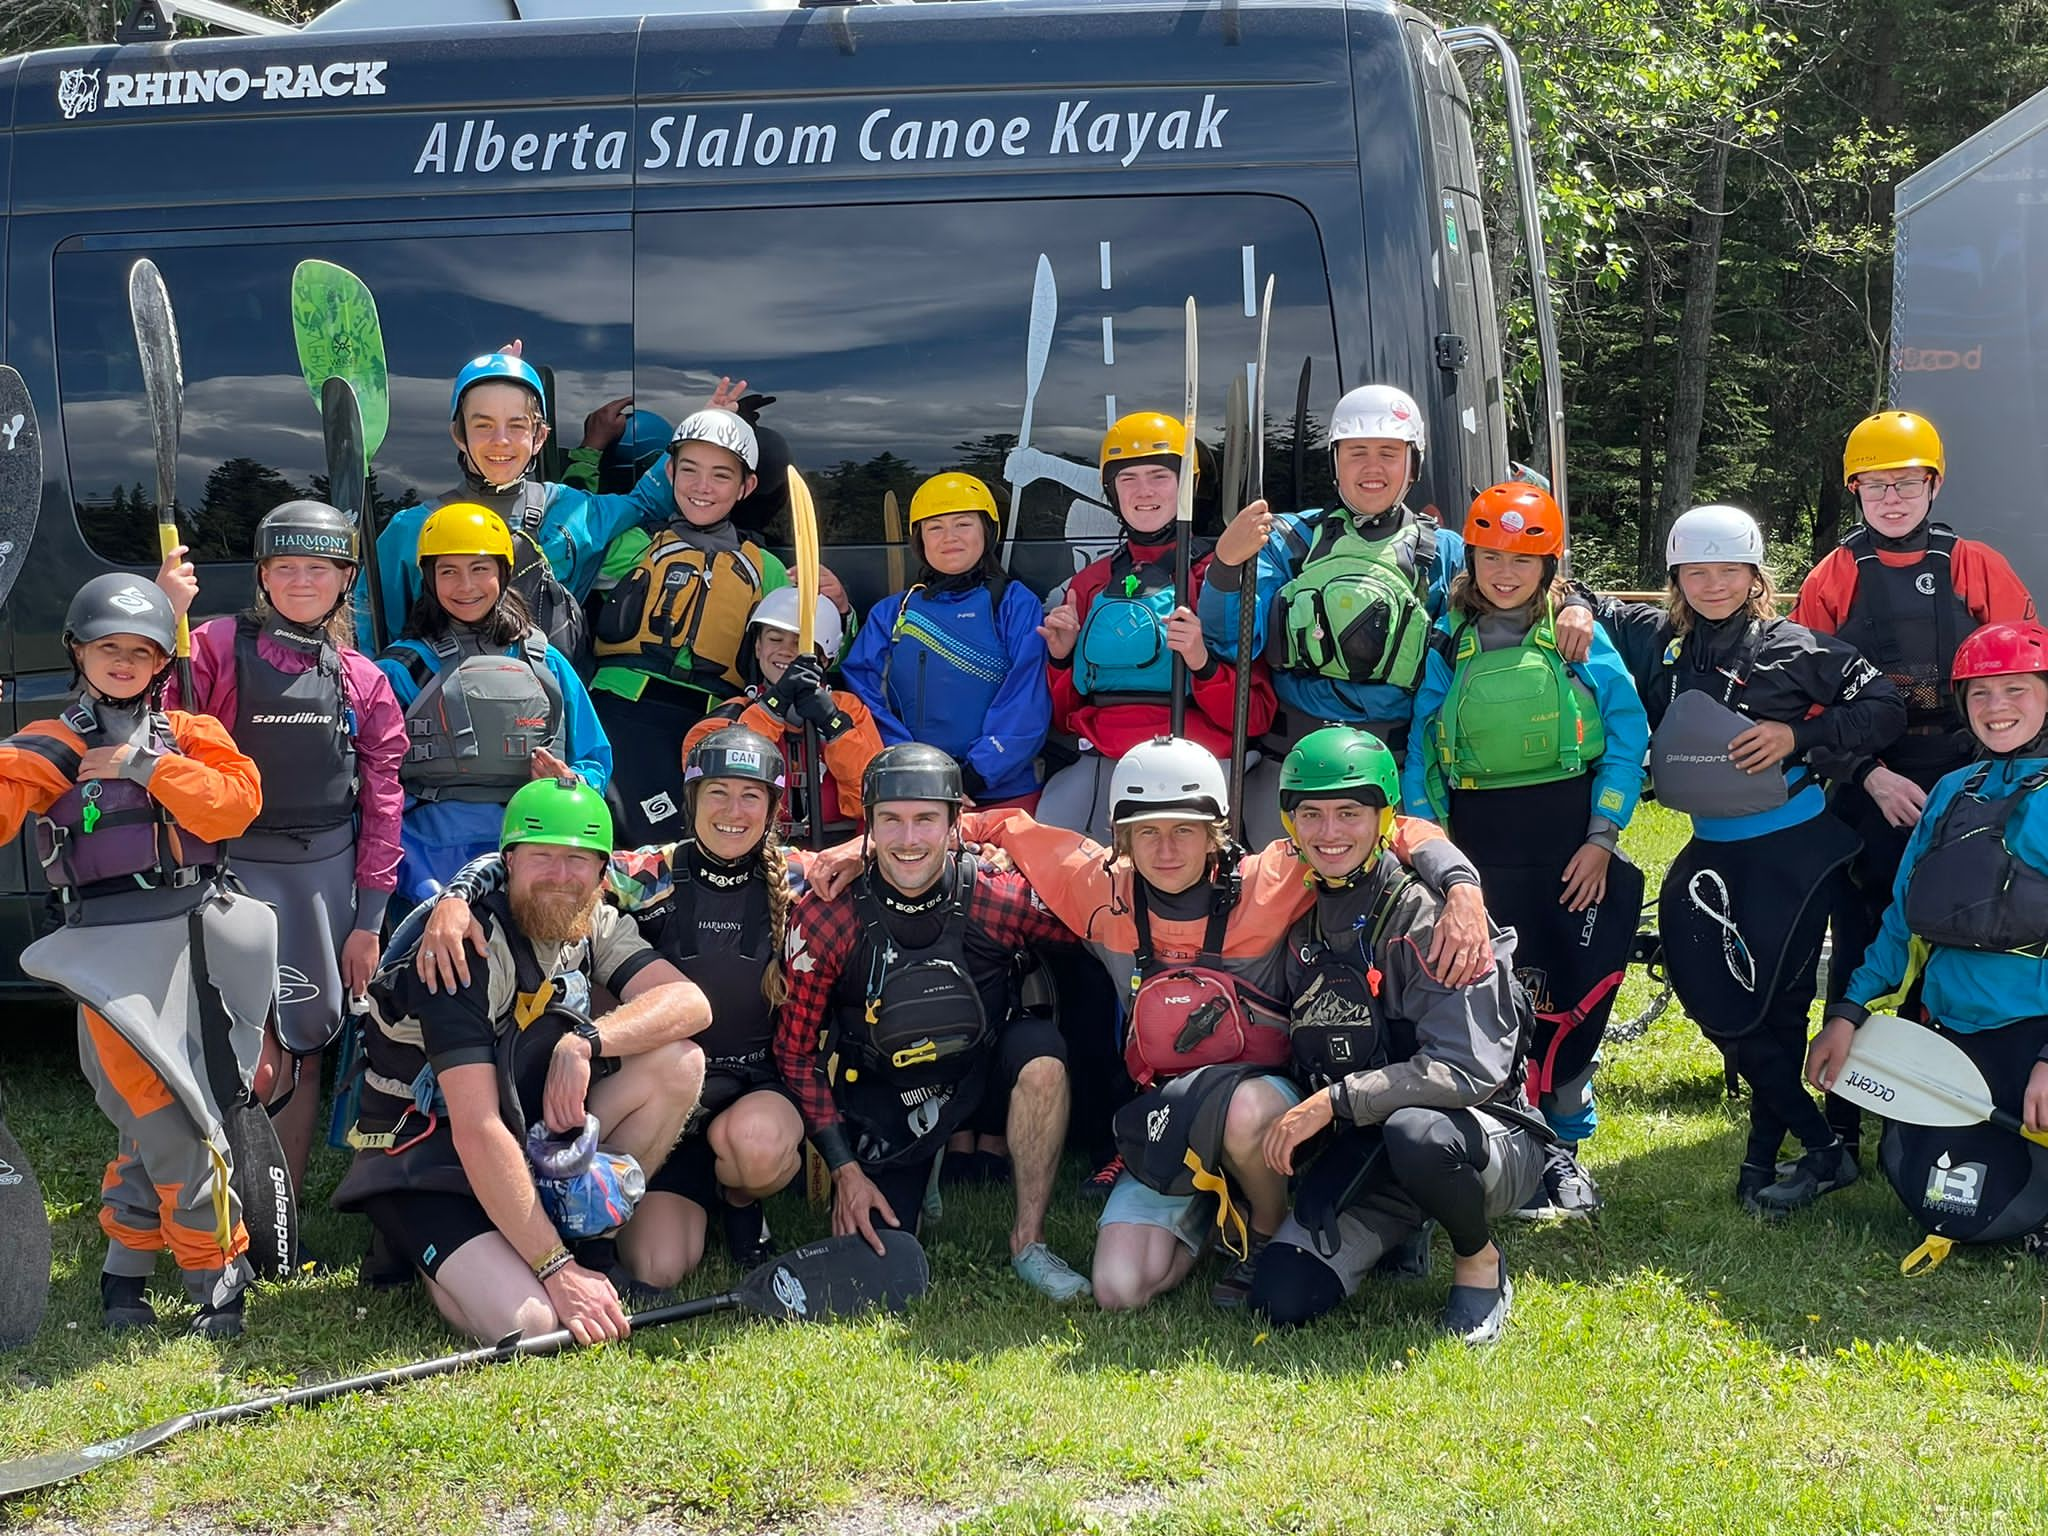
pixel 124 1304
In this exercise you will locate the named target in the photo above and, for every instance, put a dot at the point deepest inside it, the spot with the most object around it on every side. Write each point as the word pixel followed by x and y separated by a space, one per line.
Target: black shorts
pixel 688 1169
pixel 426 1226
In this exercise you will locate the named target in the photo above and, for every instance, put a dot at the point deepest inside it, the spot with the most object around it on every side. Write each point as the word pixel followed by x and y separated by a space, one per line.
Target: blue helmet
pixel 641 445
pixel 494 365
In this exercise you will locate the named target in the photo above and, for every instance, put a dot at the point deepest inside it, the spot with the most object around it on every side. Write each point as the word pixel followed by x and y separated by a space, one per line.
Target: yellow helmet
pixel 464 528
pixel 1142 435
pixel 1892 440
pixel 953 492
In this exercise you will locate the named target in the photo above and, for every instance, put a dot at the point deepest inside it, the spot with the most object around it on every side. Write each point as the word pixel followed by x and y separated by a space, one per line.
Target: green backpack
pixel 1358 611
pixel 1512 716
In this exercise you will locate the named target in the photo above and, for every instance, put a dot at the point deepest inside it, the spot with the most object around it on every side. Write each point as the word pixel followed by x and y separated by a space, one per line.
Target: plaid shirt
pixel 827 938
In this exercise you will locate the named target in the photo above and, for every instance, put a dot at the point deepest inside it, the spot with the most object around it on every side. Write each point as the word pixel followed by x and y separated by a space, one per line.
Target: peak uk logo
pixel 82 91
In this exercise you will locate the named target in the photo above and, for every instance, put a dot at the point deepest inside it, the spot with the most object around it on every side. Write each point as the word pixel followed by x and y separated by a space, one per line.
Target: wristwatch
pixel 601 1065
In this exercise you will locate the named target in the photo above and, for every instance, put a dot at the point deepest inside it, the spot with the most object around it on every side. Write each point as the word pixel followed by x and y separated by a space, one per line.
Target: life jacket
pixel 1514 715
pixel 106 836
pixel 1121 652
pixel 1337 1024
pixel 478 718
pixel 299 730
pixel 946 662
pixel 1186 1016
pixel 1907 620
pixel 1690 767
pixel 553 607
pixel 680 597
pixel 1969 890
pixel 908 1060
pixel 729 971
pixel 1357 610
pixel 401 1110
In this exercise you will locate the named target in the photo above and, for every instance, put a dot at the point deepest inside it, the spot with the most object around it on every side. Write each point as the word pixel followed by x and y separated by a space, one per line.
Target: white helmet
pixel 1168 779
pixel 779 610
pixel 1380 410
pixel 721 429
pixel 1714 533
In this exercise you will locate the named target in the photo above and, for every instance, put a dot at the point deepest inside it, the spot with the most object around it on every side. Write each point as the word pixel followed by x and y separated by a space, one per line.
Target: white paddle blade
pixel 1906 1072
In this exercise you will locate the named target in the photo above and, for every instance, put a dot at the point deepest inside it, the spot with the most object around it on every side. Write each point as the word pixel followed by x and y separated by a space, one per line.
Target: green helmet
pixel 566 812
pixel 1340 762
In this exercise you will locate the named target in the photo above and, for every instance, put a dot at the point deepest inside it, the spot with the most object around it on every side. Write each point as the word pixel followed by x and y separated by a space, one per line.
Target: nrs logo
pixel 80 91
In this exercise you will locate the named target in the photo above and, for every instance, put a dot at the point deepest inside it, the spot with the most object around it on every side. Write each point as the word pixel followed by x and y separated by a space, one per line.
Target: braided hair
pixel 773 860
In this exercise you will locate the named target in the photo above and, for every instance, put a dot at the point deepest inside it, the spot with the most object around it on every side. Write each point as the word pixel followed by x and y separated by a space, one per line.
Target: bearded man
pixel 505 1132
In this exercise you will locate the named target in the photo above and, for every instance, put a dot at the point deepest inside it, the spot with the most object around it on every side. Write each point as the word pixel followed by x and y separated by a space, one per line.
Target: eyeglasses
pixel 1909 488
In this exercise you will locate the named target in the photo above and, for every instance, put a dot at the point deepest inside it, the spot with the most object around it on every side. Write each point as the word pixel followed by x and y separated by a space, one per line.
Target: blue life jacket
pixel 1122 648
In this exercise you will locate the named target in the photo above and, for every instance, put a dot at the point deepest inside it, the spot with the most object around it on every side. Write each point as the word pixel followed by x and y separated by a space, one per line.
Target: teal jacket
pixel 1966 990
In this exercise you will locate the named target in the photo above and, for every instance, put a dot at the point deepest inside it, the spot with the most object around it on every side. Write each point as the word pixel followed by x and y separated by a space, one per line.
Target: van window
pixel 251 430
pixel 895 338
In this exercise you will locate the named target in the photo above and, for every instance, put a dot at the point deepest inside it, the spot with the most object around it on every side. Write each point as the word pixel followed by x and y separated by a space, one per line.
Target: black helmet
pixel 910 771
pixel 119 604
pixel 306 528
pixel 736 753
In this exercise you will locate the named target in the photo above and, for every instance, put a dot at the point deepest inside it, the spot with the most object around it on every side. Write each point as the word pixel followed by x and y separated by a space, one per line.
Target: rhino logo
pixel 78 92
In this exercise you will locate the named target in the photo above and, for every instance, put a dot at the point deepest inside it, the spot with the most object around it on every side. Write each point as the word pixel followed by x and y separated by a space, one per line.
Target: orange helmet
pixel 1516 518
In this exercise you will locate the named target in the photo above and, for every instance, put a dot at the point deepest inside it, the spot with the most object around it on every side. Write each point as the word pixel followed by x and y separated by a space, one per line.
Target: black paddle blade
pixel 348 470
pixel 24 1246
pixel 163 371
pixel 263 1180
pixel 21 488
pixel 837 1278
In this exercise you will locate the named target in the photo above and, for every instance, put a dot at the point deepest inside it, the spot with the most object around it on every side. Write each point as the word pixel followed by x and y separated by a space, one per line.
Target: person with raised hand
pixel 1112 640
pixel 321 723
pixel 1345 596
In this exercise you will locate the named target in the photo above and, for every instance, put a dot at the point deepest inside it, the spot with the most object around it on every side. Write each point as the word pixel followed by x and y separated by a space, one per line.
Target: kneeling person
pixel 456 1080
pixel 1424 1081
pixel 902 1017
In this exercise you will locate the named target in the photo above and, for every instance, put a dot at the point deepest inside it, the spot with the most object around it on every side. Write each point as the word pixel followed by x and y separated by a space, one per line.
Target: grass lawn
pixel 1682 1368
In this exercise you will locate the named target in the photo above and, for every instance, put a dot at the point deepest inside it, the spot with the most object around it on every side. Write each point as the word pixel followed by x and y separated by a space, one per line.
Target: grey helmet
pixel 120 604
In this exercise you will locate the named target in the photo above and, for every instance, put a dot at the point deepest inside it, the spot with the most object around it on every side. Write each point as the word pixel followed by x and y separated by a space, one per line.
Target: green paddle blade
pixel 334 321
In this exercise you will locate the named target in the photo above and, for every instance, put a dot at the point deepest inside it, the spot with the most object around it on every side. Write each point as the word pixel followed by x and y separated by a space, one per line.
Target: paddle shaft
pixel 1248 578
pixel 42 1471
pixel 803 518
pixel 1184 518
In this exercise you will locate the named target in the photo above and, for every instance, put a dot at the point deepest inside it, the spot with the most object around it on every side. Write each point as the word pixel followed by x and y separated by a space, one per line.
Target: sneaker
pixel 1234 1286
pixel 1097 1185
pixel 220 1319
pixel 600 1255
pixel 746 1233
pixel 124 1306
pixel 1409 1258
pixel 1821 1171
pixel 1572 1194
pixel 1049 1274
pixel 1751 1181
pixel 1477 1313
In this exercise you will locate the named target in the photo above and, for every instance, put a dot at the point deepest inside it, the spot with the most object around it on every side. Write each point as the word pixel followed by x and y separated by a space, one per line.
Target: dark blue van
pixel 845 204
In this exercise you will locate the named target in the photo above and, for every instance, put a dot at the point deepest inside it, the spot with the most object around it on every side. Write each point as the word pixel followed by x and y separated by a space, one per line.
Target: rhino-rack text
pixel 80 91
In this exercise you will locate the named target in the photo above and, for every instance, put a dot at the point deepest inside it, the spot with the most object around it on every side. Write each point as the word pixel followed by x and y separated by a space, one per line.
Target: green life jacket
pixel 1358 611
pixel 1512 716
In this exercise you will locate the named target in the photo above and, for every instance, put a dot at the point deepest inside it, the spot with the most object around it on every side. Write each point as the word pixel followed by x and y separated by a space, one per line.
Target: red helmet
pixel 1998 650
pixel 1517 518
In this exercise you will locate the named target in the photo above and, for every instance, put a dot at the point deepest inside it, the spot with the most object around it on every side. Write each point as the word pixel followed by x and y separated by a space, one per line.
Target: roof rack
pixel 156 21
